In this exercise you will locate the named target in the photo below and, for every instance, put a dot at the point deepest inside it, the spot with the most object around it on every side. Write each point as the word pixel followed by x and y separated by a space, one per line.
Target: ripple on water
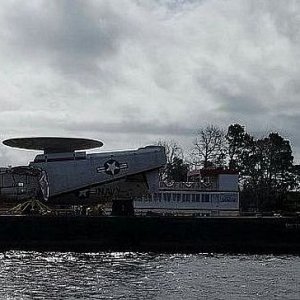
pixel 131 275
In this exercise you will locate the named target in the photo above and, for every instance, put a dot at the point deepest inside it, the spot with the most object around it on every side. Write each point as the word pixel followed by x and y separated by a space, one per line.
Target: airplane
pixel 64 174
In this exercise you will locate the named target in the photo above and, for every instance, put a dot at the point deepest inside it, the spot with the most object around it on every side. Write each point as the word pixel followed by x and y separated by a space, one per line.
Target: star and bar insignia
pixel 112 167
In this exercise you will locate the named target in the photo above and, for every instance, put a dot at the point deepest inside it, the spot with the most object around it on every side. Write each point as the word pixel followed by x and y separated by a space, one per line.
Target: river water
pixel 130 275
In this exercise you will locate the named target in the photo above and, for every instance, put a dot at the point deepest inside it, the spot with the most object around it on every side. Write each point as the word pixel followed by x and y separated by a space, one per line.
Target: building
pixel 209 192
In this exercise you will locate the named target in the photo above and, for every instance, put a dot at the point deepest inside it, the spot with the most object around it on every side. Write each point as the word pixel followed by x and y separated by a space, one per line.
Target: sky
pixel 132 72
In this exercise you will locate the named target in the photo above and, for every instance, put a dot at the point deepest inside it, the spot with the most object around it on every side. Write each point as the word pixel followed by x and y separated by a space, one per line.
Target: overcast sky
pixel 132 72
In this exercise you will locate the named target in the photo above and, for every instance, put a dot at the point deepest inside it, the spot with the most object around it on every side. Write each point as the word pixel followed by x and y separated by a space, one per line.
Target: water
pixel 55 275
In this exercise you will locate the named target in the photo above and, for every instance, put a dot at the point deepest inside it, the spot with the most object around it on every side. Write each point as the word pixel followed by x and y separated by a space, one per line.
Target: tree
pixel 209 147
pixel 239 145
pixel 268 171
pixel 175 168
pixel 172 149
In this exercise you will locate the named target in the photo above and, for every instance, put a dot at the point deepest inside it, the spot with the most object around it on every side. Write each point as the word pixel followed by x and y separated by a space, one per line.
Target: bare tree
pixel 209 147
pixel 172 149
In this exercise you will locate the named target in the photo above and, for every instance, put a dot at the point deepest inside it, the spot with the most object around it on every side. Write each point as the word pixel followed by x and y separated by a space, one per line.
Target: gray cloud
pixel 71 36
pixel 132 127
pixel 131 71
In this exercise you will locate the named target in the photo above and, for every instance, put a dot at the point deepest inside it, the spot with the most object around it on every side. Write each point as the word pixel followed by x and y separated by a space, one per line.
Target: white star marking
pixel 112 168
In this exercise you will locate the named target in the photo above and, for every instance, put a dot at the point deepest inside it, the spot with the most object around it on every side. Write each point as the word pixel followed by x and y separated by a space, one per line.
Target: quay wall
pixel 158 234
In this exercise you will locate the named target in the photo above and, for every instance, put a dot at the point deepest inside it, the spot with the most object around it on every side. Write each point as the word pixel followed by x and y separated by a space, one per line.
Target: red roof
pixel 212 172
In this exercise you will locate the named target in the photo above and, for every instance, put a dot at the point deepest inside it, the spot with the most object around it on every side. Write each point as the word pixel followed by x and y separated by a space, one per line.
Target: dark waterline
pixel 131 275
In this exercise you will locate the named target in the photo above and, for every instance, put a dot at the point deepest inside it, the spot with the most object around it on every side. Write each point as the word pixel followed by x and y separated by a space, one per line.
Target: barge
pixel 201 216
pixel 275 235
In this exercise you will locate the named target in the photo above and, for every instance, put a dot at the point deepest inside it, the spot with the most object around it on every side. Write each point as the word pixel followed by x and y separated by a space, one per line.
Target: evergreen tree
pixel 268 171
pixel 177 170
pixel 240 144
pixel 266 168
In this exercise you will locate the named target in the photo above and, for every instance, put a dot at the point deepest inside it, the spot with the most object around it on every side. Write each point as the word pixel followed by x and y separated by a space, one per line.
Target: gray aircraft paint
pixel 67 172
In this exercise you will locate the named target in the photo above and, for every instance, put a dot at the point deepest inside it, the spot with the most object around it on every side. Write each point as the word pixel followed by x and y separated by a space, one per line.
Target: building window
pixel 167 197
pixel 183 197
pixel 193 197
pixel 159 197
pixel 205 197
pixel 197 197
pixel 175 196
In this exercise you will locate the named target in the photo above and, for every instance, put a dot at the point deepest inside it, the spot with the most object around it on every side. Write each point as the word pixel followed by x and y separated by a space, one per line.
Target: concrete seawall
pixel 159 234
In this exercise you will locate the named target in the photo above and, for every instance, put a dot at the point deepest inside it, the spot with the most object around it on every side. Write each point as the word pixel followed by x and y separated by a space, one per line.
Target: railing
pixel 193 186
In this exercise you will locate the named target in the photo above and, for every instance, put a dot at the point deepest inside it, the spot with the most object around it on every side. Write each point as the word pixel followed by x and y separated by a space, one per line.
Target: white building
pixel 210 192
